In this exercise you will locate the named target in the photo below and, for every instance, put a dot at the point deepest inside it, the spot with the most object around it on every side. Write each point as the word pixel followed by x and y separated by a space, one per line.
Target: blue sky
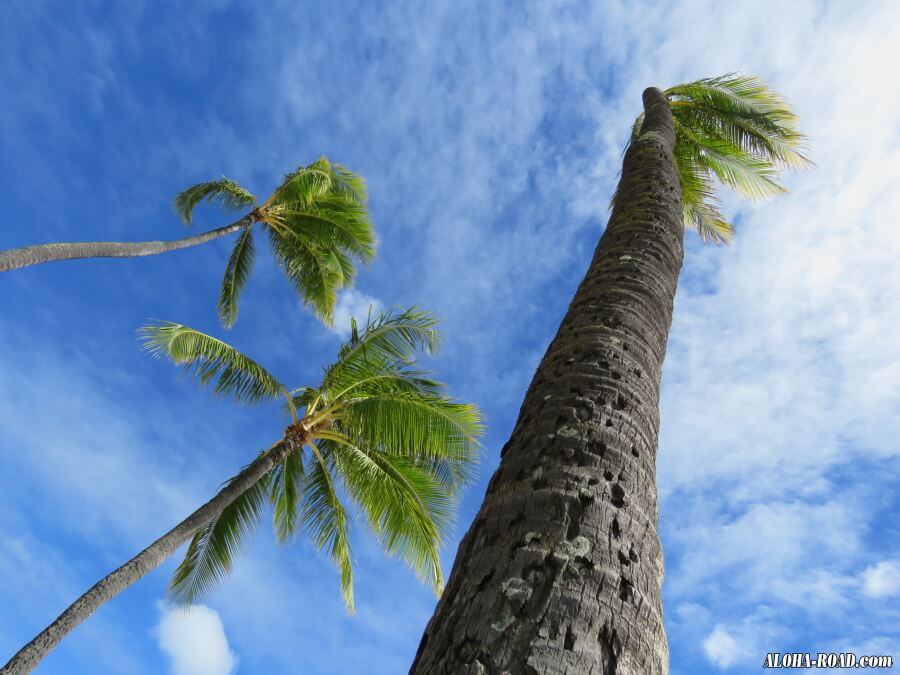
pixel 490 136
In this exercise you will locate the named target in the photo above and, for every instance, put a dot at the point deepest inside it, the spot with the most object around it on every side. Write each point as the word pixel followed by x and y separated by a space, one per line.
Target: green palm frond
pixel 312 270
pixel 210 554
pixel 324 518
pixel 224 192
pixel 744 173
pixel 407 507
pixel 307 185
pixel 287 483
pixel 416 424
pixel 333 224
pixel 744 111
pixel 388 342
pixel 208 359
pixel 237 271
pixel 737 130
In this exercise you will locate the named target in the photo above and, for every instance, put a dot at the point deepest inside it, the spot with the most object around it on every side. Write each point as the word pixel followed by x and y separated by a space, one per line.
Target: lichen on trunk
pixel 562 569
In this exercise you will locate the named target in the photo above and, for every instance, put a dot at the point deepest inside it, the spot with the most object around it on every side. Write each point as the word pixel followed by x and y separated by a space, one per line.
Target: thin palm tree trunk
pixel 562 569
pixel 16 258
pixel 28 658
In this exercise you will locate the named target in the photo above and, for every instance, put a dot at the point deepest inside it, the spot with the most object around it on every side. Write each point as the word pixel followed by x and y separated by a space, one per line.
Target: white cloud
pixel 353 303
pixel 882 580
pixel 195 642
pixel 721 649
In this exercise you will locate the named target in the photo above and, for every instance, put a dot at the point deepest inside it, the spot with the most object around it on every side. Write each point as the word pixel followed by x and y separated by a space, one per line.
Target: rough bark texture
pixel 15 258
pixel 28 658
pixel 561 570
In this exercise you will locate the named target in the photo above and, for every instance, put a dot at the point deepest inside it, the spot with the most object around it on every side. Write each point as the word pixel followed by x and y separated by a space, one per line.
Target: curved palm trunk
pixel 15 258
pixel 27 658
pixel 562 569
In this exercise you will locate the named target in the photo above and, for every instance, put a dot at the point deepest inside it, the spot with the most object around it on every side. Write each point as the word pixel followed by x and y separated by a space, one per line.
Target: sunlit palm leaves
pixel 318 226
pixel 226 193
pixel 210 554
pixel 209 359
pixel 384 438
pixel 240 264
pixel 736 130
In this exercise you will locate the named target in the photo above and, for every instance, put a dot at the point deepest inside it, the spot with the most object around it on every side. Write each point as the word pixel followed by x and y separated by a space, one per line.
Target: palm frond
pixel 308 184
pixel 407 507
pixel 334 224
pixel 416 424
pixel 312 270
pixel 210 554
pixel 287 482
pixel 738 130
pixel 743 172
pixel 709 222
pixel 224 192
pixel 389 341
pixel 324 518
pixel 208 359
pixel 237 271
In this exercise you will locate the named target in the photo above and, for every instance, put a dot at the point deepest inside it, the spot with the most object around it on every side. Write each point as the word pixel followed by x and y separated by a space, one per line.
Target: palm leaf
pixel 415 424
pixel 743 172
pixel 339 225
pixel 389 341
pixel 736 129
pixel 224 192
pixel 407 507
pixel 210 554
pixel 307 185
pixel 208 359
pixel 237 271
pixel 324 518
pixel 312 270
pixel 287 482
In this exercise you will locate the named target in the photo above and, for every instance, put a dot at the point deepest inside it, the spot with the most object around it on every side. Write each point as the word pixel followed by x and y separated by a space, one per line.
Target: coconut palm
pixel 376 435
pixel 562 568
pixel 316 221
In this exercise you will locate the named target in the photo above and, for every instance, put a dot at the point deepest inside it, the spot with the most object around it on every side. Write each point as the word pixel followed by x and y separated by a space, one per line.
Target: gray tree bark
pixel 28 658
pixel 16 258
pixel 562 568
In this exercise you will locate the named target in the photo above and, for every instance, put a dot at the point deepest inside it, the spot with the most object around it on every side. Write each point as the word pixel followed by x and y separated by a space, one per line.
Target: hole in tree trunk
pixel 618 496
pixel 569 642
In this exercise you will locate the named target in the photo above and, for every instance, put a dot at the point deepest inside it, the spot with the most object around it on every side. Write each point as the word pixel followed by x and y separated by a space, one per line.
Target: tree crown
pixel 734 129
pixel 318 226
pixel 379 435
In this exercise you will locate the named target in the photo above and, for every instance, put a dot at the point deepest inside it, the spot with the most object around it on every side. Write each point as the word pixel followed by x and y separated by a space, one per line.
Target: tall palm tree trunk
pixel 15 258
pixel 562 569
pixel 27 658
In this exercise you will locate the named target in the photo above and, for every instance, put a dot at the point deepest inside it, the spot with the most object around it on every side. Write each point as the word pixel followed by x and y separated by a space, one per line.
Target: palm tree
pixel 316 220
pixel 376 431
pixel 562 568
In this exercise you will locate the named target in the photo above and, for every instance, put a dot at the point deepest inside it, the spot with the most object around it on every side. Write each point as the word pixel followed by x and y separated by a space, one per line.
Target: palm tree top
pixel 737 130
pixel 318 226
pixel 376 432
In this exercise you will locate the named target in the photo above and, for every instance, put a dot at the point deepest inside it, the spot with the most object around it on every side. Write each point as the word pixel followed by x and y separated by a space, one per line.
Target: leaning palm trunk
pixel 15 258
pixel 562 569
pixel 27 658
